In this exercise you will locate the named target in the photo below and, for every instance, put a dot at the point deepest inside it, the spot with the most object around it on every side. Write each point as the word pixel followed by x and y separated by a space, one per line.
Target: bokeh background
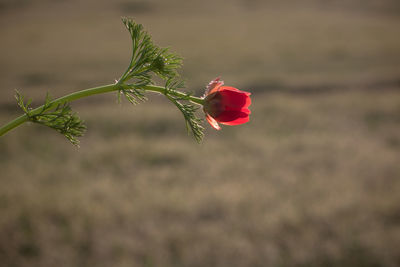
pixel 312 180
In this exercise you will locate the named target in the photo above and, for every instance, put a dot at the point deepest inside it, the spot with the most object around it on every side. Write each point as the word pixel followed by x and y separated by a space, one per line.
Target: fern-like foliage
pixel 147 58
pixel 149 61
pixel 59 117
pixel 193 124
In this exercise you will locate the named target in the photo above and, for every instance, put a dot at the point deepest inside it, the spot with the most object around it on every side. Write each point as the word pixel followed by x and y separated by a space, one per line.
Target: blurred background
pixel 312 180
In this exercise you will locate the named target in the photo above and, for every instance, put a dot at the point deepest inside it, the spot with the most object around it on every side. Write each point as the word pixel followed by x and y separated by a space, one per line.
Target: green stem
pixel 88 92
pixel 163 91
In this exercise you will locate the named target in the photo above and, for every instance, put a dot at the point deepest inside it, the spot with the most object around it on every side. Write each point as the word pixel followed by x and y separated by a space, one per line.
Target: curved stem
pixel 68 98
pixel 88 92
pixel 162 90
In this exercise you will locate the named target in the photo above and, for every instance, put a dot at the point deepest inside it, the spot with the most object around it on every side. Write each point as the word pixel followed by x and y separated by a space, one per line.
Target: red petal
pixel 246 110
pixel 230 88
pixel 214 86
pixel 237 121
pixel 233 117
pixel 212 122
pixel 234 99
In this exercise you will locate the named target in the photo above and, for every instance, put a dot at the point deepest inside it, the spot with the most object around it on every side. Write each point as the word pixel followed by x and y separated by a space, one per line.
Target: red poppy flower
pixel 226 105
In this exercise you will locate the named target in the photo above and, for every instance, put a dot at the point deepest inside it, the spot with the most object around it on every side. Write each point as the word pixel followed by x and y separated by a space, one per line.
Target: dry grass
pixel 311 180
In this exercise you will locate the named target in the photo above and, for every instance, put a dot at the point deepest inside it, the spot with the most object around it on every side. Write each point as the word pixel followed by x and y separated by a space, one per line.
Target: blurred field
pixel 312 180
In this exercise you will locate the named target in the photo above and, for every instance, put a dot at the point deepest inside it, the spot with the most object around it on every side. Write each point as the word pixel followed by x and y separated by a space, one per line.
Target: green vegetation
pixel 311 180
